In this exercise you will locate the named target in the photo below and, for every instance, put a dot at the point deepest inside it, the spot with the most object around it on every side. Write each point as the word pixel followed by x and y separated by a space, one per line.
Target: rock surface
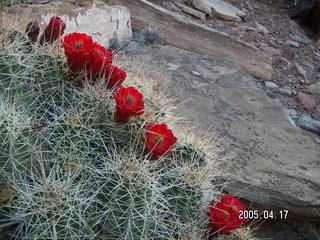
pixel 219 8
pixel 270 161
pixel 99 20
pixel 213 43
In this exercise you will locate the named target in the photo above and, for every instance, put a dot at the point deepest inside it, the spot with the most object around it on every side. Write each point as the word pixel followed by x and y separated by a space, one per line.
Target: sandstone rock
pixel 213 43
pixel 269 160
pixel 309 124
pixel 192 12
pixel 314 88
pixel 308 102
pixel 101 21
pixel 219 8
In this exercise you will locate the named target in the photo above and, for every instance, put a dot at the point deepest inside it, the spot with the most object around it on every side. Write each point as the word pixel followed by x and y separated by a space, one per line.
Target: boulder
pixel 268 160
pixel 99 20
pixel 219 8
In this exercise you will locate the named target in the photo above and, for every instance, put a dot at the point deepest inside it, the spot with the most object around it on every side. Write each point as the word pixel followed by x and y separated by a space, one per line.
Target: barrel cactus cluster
pixel 87 155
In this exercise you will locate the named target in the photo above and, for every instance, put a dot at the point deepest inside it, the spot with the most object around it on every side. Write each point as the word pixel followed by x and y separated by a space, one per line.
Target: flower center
pixel 159 139
pixel 226 214
pixel 234 207
pixel 78 45
pixel 129 100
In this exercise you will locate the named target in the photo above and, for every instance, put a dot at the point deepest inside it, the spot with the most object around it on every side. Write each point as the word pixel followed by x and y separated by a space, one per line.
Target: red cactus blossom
pixel 33 30
pixel 101 58
pixel 53 30
pixel 129 103
pixel 159 140
pixel 78 48
pixel 114 76
pixel 224 215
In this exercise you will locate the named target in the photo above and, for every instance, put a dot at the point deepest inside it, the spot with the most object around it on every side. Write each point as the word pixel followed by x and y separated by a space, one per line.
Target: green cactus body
pixel 15 80
pixel 127 205
pixel 17 142
pixel 87 176
pixel 50 75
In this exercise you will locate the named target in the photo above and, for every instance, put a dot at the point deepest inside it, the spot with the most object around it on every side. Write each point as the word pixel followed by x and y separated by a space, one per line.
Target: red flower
pixel 53 30
pixel 33 30
pixel 159 140
pixel 114 76
pixel 129 103
pixel 78 48
pixel 101 57
pixel 224 215
pixel 234 203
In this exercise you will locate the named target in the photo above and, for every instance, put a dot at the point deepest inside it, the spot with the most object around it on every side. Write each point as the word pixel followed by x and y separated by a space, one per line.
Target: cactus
pixel 17 142
pixel 129 207
pixel 87 176
pixel 54 206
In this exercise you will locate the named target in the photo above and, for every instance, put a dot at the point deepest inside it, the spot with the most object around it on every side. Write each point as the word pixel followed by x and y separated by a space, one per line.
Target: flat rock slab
pixel 219 8
pixel 99 20
pixel 270 161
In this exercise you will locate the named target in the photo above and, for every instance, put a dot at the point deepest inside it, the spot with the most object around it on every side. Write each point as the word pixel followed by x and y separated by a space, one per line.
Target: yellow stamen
pixel 129 100
pixel 78 45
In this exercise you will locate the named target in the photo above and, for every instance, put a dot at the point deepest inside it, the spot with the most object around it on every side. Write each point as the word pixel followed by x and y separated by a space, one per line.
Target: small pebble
pixel 292 43
pixel 270 94
pixel 287 92
pixel 271 85
pixel 307 101
pixel 196 73
pixel 309 124
pixel 300 39
pixel 262 28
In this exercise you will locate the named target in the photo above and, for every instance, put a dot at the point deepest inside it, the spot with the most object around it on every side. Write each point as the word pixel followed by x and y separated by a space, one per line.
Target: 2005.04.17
pixel 265 214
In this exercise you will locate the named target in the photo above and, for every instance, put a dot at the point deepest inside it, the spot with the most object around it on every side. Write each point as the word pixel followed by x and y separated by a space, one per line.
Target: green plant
pixel 87 176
